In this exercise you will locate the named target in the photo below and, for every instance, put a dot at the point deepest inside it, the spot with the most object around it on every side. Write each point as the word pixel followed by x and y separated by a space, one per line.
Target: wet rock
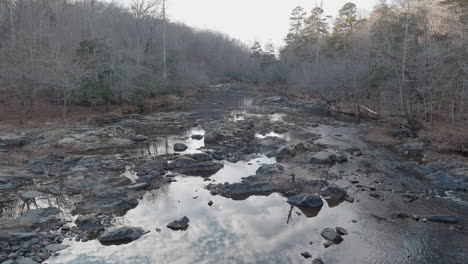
pixel 327 244
pixel 56 247
pixel 180 224
pixel 213 137
pixel 179 147
pixel 201 157
pixel 189 166
pixel 25 261
pixel 306 255
pixel 286 152
pixel 322 157
pixel 197 137
pixel 139 138
pixel 30 194
pixel 341 158
pixel 306 200
pixel 446 219
pixel 39 216
pixel 318 260
pixel 269 145
pixel 334 195
pixel 12 140
pixel 122 235
pixel 242 190
pixel 14 182
pixel 89 223
pixel 270 169
pixel 114 203
pixel 341 231
pixel 447 181
pixel 210 203
pixel 331 235
pixel 274 99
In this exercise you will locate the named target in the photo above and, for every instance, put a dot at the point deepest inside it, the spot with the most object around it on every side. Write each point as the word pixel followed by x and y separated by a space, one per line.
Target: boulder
pixel 213 137
pixel 122 235
pixel 180 224
pixel 88 223
pixel 286 152
pixel 331 235
pixel 322 157
pixel 306 200
pixel 270 169
pixel 179 147
pixel 341 231
pixel 197 137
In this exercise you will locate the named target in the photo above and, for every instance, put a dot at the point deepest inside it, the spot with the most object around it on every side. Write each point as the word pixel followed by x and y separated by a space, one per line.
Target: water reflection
pixel 259 229
pixel 165 144
pixel 13 209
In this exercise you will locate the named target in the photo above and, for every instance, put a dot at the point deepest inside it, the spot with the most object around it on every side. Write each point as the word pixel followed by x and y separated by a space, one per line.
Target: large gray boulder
pixel 122 235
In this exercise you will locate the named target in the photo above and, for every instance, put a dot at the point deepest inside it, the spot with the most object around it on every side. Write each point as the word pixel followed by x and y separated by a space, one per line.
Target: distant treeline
pixel 408 56
pixel 92 52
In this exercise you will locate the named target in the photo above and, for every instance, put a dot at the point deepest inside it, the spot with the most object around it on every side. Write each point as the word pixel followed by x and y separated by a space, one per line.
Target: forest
pixel 96 52
pixel 407 57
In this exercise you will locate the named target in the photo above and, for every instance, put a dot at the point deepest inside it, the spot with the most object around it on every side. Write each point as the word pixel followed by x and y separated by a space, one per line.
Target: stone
pixel 213 137
pixel 446 219
pixel 89 224
pixel 25 261
pixel 139 138
pixel 188 166
pixel 306 200
pixel 122 235
pixel 322 157
pixel 180 224
pixel 327 244
pixel 331 235
pixel 318 260
pixel 270 169
pixel 197 137
pixel 179 147
pixel 341 231
pixel 56 247
pixel 286 152
pixel 30 194
pixel 306 255
pixel 38 216
pixel 210 203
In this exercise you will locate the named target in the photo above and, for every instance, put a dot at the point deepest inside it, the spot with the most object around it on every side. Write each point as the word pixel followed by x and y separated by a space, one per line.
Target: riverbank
pixel 276 170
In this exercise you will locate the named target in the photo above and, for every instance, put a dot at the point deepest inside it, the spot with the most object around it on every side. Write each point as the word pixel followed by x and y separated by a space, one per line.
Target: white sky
pixel 250 20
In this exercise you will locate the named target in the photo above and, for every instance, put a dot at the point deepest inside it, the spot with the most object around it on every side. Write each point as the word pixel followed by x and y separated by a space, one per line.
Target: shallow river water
pixel 260 229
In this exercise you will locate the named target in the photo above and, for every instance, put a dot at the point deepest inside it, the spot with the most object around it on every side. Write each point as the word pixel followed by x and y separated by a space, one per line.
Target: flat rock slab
pixel 331 235
pixel 123 235
pixel 181 224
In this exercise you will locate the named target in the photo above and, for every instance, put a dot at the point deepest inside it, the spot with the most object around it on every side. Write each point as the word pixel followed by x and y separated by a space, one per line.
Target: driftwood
pixel 367 109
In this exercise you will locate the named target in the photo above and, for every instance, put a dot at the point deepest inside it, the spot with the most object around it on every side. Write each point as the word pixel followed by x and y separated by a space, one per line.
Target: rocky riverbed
pixel 235 176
